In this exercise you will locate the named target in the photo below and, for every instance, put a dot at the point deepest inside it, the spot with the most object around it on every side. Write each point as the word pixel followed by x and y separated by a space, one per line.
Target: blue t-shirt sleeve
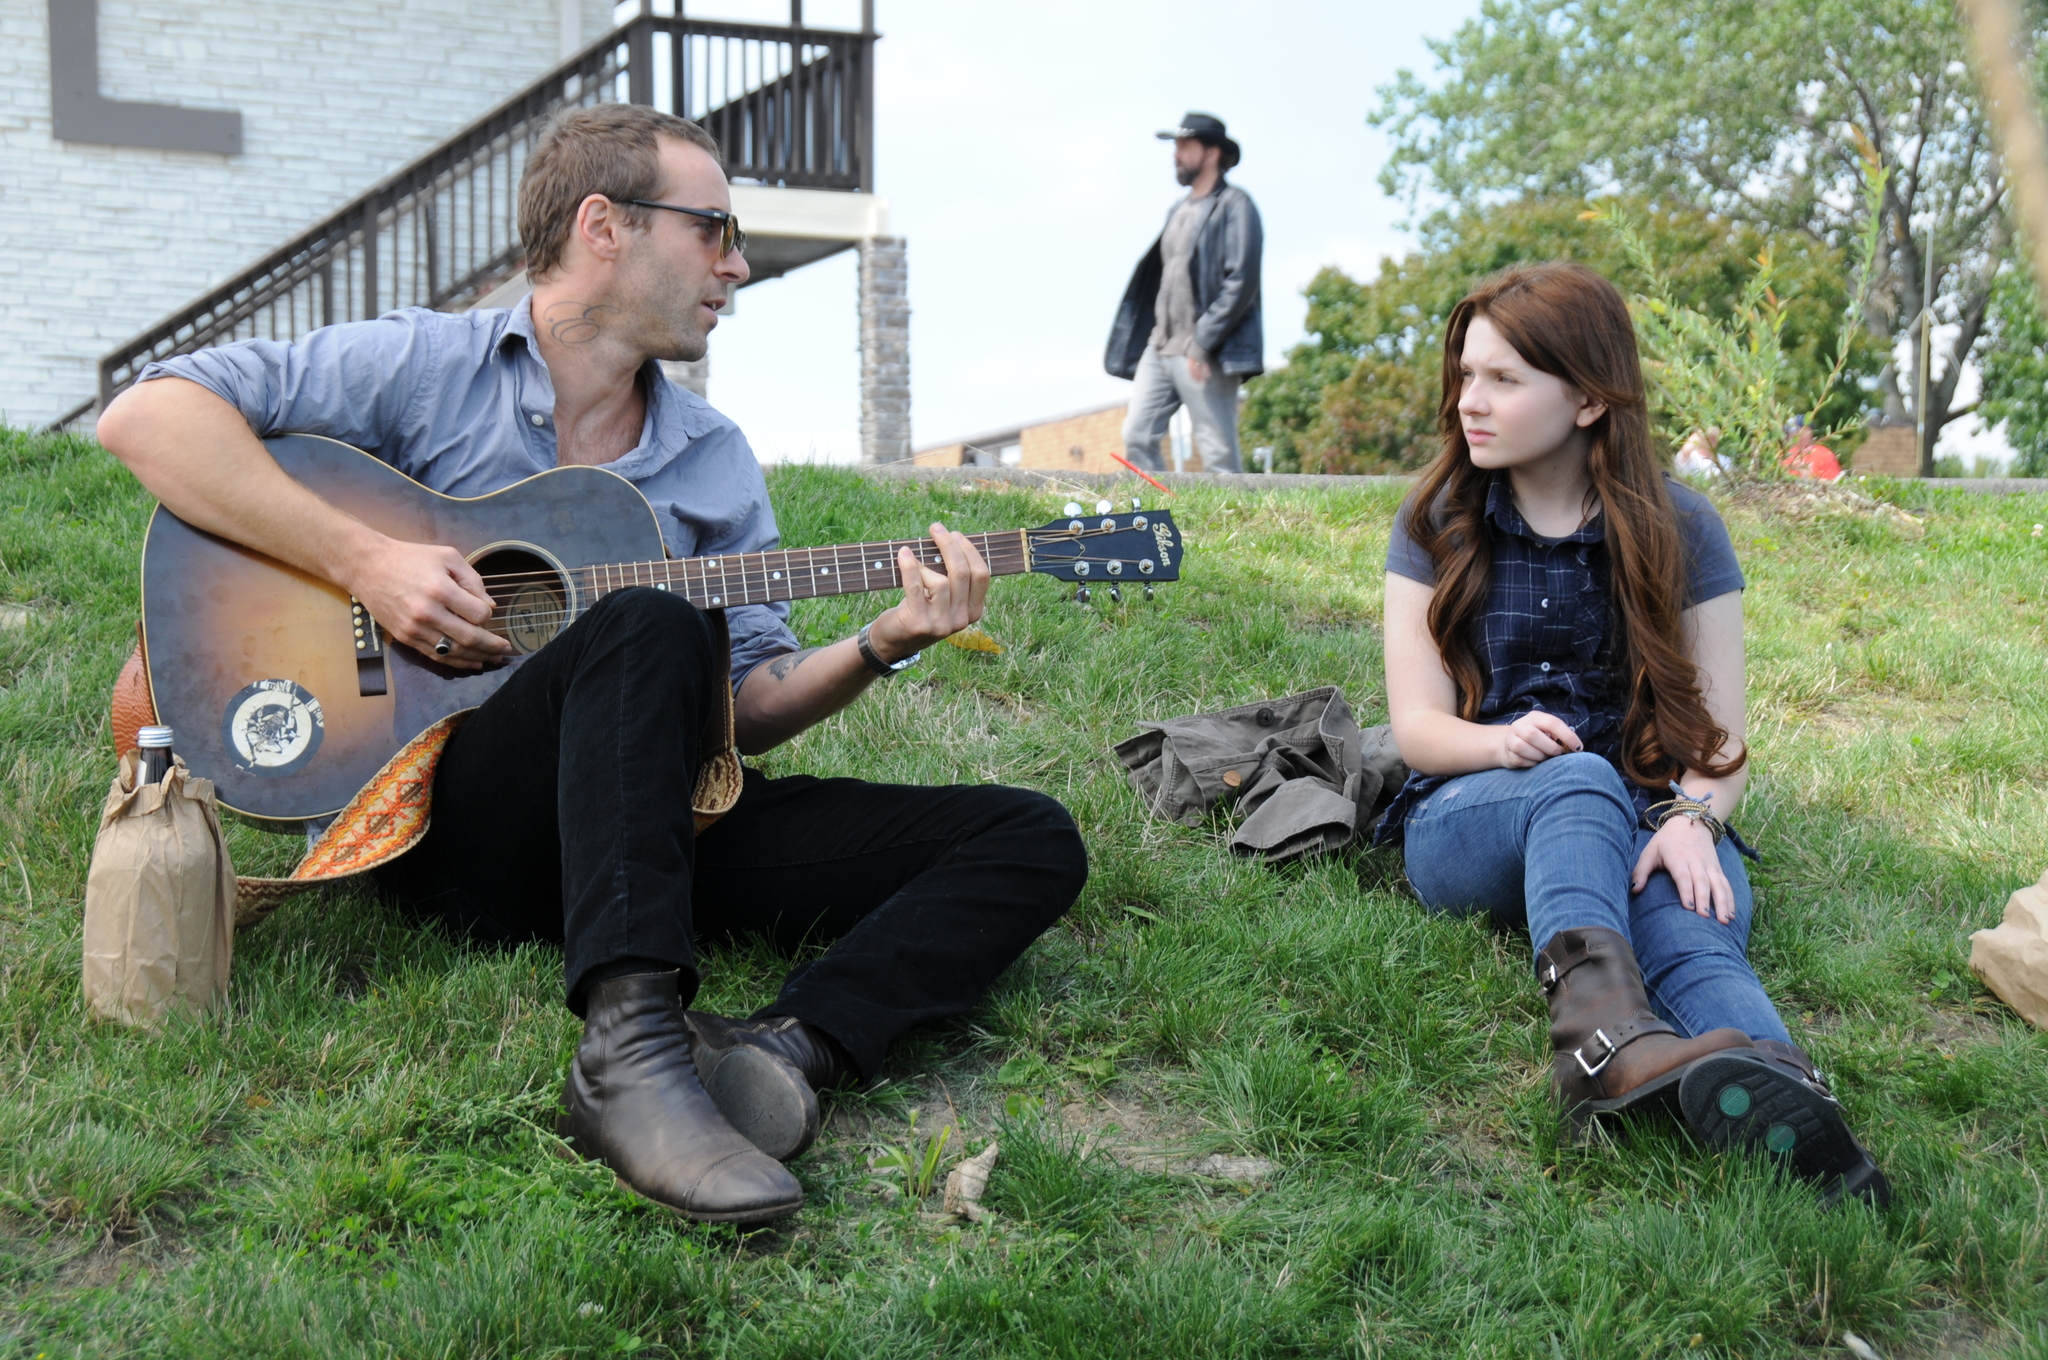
pixel 1711 568
pixel 359 382
pixel 1404 557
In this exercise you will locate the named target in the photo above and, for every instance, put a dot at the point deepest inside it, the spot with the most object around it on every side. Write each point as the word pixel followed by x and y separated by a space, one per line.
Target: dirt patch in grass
pixel 1955 1335
pixel 1803 502
pixel 112 1262
pixel 1139 1126
pixel 1888 715
pixel 63 1261
pixel 1136 1122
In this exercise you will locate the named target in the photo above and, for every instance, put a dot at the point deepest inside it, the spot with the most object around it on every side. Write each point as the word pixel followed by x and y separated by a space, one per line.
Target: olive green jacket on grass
pixel 1306 776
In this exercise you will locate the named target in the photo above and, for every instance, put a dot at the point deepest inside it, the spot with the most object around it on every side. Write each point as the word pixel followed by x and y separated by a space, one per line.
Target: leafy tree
pixel 2015 369
pixel 1735 378
pixel 1757 110
pixel 1360 394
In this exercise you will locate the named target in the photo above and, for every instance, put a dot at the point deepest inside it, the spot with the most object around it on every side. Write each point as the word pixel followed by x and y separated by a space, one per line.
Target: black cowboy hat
pixel 1207 129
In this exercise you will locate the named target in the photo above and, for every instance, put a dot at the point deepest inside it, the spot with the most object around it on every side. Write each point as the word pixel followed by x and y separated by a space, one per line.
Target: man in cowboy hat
pixel 1188 331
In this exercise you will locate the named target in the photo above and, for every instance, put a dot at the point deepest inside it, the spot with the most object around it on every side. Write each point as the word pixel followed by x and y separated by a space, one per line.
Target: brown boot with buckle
pixel 634 1103
pixel 1612 1052
pixel 765 1075
pixel 1776 1100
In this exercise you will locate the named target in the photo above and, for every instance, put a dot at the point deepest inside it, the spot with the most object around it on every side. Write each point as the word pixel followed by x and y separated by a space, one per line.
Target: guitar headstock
pixel 1137 547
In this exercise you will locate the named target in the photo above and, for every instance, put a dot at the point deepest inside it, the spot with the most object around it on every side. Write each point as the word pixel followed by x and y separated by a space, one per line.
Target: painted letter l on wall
pixel 82 114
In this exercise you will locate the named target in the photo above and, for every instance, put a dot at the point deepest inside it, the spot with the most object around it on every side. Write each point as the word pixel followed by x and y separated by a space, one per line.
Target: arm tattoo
pixel 576 323
pixel 784 666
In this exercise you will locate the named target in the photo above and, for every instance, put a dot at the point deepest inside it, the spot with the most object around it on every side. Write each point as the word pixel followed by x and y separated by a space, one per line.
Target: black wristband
pixel 874 660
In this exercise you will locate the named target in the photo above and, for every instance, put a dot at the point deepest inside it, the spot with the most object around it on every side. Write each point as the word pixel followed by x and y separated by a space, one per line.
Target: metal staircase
pixel 790 106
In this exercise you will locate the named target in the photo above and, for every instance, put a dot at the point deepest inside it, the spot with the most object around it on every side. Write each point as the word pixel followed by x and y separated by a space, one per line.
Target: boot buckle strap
pixel 1555 965
pixel 1554 969
pixel 1595 1069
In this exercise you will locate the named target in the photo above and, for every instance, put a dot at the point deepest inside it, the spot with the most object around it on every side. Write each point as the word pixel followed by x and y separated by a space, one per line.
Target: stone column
pixel 694 374
pixel 884 351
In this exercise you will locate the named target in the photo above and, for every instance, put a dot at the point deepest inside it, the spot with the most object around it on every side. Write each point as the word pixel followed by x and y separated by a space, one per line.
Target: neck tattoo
pixel 576 323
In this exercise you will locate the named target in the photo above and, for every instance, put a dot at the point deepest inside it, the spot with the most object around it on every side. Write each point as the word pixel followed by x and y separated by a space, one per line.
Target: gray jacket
pixel 1304 774
pixel 1225 265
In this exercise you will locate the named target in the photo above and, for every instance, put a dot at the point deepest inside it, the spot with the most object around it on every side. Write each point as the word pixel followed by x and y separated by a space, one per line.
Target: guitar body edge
pixel 253 664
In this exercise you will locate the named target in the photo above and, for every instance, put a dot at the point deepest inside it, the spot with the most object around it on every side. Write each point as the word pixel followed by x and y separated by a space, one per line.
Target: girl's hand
pixel 1685 850
pixel 1534 738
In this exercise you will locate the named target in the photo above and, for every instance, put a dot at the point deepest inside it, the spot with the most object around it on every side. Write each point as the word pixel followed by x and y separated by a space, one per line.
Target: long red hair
pixel 1567 321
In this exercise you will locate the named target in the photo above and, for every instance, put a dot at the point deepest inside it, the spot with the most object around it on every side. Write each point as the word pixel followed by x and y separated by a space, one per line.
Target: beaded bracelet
pixel 1683 804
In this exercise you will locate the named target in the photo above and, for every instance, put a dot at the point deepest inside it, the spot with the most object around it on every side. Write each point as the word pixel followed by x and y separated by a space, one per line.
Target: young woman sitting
pixel 1565 673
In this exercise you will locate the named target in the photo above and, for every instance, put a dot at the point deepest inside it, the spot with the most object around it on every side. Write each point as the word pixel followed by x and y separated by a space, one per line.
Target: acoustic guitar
pixel 287 695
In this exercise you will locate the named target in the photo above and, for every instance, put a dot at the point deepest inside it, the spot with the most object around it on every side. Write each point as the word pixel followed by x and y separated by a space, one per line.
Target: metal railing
pixel 789 106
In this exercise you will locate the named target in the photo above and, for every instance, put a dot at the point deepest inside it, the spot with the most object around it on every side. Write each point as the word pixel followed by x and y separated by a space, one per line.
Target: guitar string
pixel 1006 557
pixel 995 542
pixel 678 569
pixel 578 611
pixel 752 569
pixel 754 589
pixel 722 562
pixel 757 575
pixel 626 574
pixel 558 616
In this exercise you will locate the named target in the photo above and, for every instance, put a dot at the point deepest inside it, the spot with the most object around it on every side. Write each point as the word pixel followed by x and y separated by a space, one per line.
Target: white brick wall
pixel 98 242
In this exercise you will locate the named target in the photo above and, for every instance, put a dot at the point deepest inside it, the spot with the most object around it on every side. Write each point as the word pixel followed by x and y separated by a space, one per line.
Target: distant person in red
pixel 1808 457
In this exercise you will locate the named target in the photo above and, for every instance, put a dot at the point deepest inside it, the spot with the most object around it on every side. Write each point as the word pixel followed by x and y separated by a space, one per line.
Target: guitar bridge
pixel 371 678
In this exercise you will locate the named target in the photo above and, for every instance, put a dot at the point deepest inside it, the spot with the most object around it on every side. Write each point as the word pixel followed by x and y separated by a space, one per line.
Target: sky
pixel 1015 146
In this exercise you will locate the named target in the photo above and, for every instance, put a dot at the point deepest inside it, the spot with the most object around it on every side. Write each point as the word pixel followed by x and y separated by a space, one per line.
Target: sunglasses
pixel 730 237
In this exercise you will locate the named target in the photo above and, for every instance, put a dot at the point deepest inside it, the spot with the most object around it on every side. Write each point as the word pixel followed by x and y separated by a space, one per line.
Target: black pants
pixel 562 812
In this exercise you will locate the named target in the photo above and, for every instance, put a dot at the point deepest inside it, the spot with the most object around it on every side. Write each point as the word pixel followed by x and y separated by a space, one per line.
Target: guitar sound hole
pixel 532 598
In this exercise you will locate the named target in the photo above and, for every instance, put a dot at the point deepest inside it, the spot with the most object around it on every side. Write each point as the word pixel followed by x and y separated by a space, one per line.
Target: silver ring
pixel 444 646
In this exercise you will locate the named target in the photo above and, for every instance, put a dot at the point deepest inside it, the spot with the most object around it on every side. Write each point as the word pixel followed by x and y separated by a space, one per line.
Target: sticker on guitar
pixel 272 727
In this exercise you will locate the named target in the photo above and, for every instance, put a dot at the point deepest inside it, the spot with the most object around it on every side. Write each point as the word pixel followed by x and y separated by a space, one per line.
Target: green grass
pixel 355 1158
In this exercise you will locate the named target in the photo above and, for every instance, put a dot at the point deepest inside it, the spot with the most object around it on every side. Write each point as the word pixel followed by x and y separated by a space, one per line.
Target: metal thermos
pixel 156 753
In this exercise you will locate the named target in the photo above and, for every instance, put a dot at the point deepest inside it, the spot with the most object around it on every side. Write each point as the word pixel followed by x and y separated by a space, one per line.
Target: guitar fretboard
pixel 795 573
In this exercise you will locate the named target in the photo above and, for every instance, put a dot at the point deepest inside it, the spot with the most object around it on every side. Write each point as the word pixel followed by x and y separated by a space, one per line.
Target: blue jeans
pixel 1553 847
pixel 1162 386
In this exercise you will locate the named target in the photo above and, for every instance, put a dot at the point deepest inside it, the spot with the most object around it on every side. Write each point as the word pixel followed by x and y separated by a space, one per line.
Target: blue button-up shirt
pixel 462 403
pixel 1545 637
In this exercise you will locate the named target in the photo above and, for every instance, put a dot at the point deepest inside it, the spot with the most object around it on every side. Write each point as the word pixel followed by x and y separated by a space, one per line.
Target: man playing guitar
pixel 562 807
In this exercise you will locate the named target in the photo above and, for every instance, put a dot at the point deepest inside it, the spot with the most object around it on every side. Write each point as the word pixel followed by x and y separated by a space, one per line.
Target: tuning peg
pixel 1103 507
pixel 1081 595
pixel 1116 595
pixel 1148 590
pixel 1136 504
pixel 1072 508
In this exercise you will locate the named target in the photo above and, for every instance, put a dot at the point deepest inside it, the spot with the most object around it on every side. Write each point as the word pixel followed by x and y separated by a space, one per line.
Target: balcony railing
pixel 789 106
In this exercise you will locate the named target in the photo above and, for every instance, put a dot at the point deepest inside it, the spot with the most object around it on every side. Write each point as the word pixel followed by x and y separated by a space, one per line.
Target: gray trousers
pixel 1162 386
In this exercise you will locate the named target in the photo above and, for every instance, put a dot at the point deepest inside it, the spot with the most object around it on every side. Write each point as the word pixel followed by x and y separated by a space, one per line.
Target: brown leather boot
pixel 765 1076
pixel 634 1102
pixel 1776 1099
pixel 1612 1052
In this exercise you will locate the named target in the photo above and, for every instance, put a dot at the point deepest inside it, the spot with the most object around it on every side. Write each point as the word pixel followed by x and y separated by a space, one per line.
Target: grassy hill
pixel 356 1158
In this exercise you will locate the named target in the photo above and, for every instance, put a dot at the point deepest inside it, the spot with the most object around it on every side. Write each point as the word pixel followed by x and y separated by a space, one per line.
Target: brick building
pixel 1081 441
pixel 322 100
pixel 180 173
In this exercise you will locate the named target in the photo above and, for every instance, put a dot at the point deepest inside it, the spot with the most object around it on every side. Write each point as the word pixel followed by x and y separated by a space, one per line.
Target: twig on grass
pixel 1142 473
pixel 27 888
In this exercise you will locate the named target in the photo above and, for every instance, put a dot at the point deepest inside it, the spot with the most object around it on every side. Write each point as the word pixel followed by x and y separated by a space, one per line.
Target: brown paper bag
pixel 2013 957
pixel 159 900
